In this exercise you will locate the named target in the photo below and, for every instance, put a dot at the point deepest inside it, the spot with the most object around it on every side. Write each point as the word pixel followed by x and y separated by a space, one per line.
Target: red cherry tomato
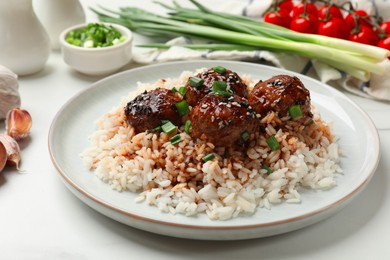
pixel 385 26
pixel 385 44
pixel 281 18
pixel 300 8
pixel 366 35
pixel 304 24
pixel 358 14
pixel 287 4
pixel 327 12
pixel 334 27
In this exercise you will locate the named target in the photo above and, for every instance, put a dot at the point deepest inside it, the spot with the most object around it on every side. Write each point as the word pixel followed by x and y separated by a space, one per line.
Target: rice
pixel 174 179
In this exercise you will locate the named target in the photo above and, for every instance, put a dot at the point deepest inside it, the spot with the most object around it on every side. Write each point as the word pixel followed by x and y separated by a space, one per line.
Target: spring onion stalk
pixel 283 33
pixel 205 14
pixel 228 31
pixel 209 46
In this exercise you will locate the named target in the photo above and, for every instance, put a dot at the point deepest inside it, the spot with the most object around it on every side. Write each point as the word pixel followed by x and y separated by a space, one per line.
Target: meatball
pixel 278 94
pixel 223 121
pixel 148 109
pixel 233 81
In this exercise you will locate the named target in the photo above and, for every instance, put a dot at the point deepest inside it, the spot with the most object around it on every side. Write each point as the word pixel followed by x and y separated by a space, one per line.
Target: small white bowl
pixel 97 61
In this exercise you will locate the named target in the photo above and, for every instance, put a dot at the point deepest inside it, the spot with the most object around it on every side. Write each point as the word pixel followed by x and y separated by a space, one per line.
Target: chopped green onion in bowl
pixel 95 35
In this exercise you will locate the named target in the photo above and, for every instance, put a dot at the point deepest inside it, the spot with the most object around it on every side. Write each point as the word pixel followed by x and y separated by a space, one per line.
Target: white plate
pixel 69 132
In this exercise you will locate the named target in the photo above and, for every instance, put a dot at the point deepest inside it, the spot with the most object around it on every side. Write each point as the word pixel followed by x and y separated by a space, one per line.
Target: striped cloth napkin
pixel 378 87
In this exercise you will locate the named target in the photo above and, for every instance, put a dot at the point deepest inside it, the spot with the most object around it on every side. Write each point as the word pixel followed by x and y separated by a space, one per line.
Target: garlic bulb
pixel 9 94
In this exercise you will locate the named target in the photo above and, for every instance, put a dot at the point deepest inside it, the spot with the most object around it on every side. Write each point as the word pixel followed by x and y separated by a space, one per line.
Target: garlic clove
pixel 3 156
pixel 19 123
pixel 9 91
pixel 12 150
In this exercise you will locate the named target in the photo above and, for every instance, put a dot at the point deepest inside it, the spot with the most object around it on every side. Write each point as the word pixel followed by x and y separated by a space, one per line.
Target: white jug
pixel 24 43
pixel 57 15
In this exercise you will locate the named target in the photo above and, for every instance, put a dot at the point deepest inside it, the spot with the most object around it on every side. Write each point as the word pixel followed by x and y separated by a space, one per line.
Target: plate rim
pixel 333 205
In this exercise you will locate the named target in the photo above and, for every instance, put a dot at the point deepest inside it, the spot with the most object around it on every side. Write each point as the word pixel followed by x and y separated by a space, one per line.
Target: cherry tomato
pixel 385 44
pixel 300 8
pixel 334 27
pixel 286 4
pixel 281 18
pixel 327 12
pixel 366 35
pixel 304 24
pixel 357 14
pixel 385 26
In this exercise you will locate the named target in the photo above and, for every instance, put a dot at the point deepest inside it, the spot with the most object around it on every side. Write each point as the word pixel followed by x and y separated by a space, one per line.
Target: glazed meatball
pixel 222 120
pixel 233 81
pixel 278 94
pixel 148 109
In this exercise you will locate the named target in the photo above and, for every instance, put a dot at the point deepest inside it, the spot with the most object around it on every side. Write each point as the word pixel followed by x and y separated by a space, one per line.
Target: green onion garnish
pixel 164 121
pixel 196 82
pixel 295 111
pixel 182 91
pixel 187 126
pixel 267 168
pixel 174 90
pixel 220 88
pixel 168 127
pixel 273 143
pixel 182 108
pixel 208 157
pixel 219 69
pixel 245 135
pixel 157 129
pixel 175 139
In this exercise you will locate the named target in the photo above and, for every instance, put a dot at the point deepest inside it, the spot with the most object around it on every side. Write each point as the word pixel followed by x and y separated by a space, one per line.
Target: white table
pixel 41 219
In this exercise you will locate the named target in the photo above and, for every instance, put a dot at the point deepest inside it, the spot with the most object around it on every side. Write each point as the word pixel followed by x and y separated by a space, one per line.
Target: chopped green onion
pixel 168 127
pixel 220 88
pixel 267 168
pixel 245 135
pixel 187 126
pixel 157 129
pixel 164 121
pixel 182 108
pixel 295 111
pixel 196 82
pixel 208 157
pixel 219 69
pixel 174 90
pixel 175 139
pixel 95 35
pixel 273 143
pixel 182 91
